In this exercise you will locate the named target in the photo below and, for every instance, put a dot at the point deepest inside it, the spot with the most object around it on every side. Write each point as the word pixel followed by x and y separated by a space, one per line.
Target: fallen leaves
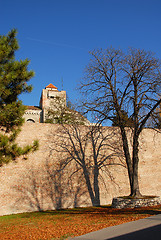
pixel 68 222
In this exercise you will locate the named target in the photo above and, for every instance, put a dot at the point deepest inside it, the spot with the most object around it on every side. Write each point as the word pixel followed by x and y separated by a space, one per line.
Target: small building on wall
pixel 47 101
pixel 33 114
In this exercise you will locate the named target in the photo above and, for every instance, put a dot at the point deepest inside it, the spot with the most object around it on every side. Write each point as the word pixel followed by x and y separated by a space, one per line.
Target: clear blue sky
pixel 56 35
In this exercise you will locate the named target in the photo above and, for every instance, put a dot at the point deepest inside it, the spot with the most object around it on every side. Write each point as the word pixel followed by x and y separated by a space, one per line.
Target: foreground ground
pixel 62 224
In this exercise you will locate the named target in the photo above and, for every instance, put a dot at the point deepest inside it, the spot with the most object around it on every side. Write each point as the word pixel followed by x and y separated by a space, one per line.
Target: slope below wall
pixel 31 185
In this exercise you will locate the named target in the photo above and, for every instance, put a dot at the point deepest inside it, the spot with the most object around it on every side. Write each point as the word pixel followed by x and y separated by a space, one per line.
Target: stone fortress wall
pixel 47 101
pixel 33 184
pixel 33 114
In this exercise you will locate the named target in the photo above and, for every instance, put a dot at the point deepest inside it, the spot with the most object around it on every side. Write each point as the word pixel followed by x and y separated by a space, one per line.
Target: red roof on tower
pixel 51 86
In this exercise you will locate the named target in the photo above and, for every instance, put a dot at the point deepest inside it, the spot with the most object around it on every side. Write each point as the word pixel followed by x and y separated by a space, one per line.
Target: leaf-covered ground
pixel 62 224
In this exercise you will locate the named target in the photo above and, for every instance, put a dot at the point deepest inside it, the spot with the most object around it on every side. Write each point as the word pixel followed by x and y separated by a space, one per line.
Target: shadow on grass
pixel 102 210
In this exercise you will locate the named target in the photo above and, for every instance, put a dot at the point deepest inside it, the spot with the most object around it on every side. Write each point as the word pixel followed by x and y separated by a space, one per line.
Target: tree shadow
pixel 48 187
pixel 92 151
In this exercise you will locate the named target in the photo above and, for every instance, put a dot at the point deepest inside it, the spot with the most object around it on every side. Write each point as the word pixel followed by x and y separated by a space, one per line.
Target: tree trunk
pixel 88 183
pixel 96 186
pixel 135 191
pixel 127 154
pixel 132 164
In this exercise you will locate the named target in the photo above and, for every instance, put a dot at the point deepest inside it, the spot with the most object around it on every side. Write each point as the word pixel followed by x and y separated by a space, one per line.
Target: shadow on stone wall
pixel 49 186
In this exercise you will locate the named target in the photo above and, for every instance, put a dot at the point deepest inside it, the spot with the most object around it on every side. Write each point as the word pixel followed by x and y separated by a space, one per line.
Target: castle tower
pixel 51 98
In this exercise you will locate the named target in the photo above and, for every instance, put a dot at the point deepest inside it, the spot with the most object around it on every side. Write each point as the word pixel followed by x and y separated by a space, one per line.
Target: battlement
pixel 47 101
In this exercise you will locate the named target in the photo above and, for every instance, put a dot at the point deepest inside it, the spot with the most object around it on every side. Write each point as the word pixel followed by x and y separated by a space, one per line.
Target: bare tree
pixel 59 113
pixel 121 84
pixel 92 148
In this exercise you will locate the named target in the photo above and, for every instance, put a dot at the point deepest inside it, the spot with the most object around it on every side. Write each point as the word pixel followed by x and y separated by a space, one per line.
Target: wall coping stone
pixel 121 202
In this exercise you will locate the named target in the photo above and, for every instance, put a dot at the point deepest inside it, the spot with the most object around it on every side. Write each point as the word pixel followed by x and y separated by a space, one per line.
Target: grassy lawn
pixel 61 224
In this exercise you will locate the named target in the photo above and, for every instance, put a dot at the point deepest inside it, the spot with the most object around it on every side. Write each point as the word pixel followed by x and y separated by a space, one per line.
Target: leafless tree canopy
pixel 118 84
pixel 115 81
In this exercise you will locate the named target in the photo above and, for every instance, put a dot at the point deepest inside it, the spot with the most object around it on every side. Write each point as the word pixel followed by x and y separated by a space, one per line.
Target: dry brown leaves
pixel 66 223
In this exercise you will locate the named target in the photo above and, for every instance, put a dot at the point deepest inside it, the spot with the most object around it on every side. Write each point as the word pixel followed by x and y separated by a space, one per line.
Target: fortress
pixel 53 103
pixel 39 183
pixel 47 101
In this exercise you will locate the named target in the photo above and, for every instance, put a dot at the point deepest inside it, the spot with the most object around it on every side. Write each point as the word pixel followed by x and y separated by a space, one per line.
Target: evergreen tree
pixel 14 76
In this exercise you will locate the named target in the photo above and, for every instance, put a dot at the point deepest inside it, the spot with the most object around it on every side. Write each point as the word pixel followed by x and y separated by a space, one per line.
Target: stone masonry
pixel 47 100
pixel 34 184
pixel 122 202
